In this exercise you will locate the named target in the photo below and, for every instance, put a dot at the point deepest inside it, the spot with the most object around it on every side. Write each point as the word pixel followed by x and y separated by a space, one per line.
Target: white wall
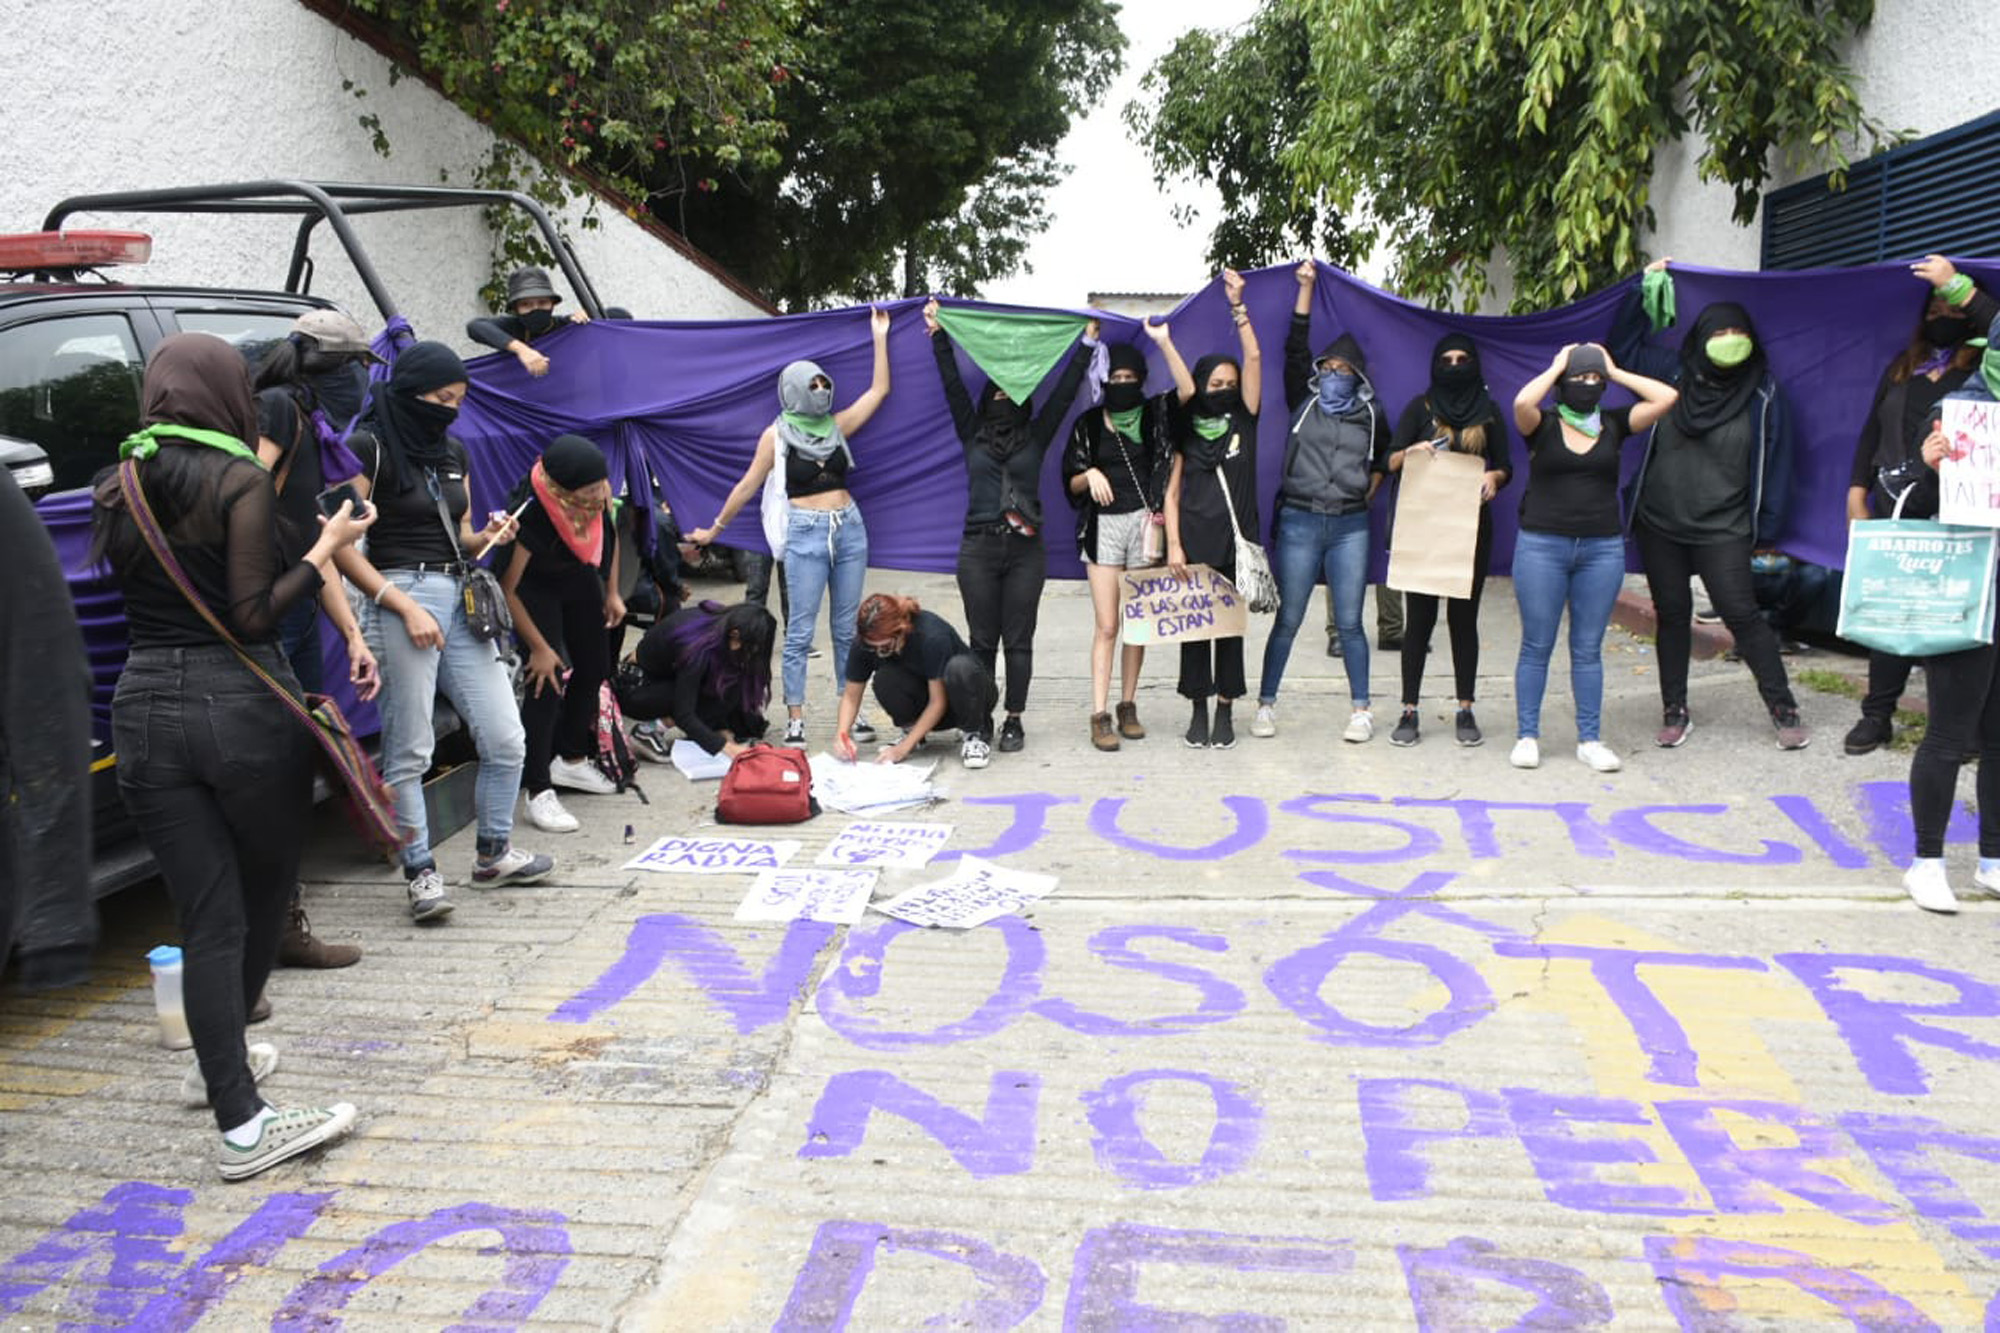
pixel 137 94
pixel 1921 66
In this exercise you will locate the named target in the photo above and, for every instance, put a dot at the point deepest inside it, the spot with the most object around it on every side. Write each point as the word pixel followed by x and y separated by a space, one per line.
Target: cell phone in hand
pixel 330 499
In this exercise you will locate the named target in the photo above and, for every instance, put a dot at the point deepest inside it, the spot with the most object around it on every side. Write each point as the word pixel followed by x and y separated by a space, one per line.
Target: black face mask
pixel 1452 374
pixel 1222 402
pixel 1003 412
pixel 1579 395
pixel 538 322
pixel 1124 397
pixel 435 415
pixel 1946 330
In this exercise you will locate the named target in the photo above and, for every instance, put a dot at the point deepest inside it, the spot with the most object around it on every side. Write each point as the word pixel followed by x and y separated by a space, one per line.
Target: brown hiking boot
pixel 1128 722
pixel 1101 734
pixel 299 947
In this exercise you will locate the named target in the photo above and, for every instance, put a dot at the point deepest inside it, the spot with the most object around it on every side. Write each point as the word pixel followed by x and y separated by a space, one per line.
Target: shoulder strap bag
pixel 1253 570
pixel 1153 548
pixel 486 612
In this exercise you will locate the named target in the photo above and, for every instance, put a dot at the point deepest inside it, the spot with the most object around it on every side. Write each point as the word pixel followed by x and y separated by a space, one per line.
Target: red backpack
pixel 767 785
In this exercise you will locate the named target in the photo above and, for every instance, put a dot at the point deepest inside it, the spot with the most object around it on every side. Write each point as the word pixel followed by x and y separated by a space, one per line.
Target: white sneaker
pixel 795 733
pixel 1928 885
pixel 1990 883
pixel 1266 721
pixel 1360 727
pixel 1599 756
pixel 1527 753
pixel 263 1057
pixel 546 813
pixel 581 775
pixel 427 900
pixel 975 753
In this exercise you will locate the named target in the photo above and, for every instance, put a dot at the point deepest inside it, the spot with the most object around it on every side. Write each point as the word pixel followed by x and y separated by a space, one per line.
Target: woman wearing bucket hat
pixel 531 313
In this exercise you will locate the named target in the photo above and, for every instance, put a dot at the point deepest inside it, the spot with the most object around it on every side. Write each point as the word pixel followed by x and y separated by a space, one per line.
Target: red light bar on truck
pixel 73 249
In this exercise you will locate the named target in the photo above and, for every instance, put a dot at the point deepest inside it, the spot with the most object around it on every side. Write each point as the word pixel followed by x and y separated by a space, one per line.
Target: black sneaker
pixel 1222 736
pixel 1406 732
pixel 1868 734
pixel 1012 737
pixel 1333 645
pixel 1197 732
pixel 1468 730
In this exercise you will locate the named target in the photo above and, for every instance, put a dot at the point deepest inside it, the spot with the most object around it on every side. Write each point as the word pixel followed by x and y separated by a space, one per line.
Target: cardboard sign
pixel 712 856
pixel 1437 523
pixel 1156 607
pixel 896 846
pixel 838 897
pixel 1969 473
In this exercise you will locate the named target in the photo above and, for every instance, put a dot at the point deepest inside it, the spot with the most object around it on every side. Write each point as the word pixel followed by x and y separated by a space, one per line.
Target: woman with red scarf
pixel 562 585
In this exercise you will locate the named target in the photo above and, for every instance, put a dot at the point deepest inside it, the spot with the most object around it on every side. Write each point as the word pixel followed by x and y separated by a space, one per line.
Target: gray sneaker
pixel 427 900
pixel 263 1057
pixel 286 1135
pixel 512 866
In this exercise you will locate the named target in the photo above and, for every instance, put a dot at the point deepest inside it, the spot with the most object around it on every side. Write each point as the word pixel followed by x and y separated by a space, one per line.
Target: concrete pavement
pixel 1343 1036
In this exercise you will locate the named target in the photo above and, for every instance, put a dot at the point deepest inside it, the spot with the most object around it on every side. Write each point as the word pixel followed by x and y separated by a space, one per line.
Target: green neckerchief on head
pixel 1656 294
pixel 1589 423
pixel 143 444
pixel 819 427
pixel 1210 428
pixel 1127 423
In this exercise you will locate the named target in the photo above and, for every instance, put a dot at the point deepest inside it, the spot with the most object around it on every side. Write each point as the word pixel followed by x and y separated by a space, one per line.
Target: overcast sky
pixel 1112 230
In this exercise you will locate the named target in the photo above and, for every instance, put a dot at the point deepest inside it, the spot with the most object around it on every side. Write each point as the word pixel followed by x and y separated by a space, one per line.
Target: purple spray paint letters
pixel 1747 1180
pixel 1903 1147
pixel 842 1260
pixel 1445 1288
pixel 1104 1292
pixel 1000 1144
pixel 1392 1127
pixel 1031 814
pixel 752 1002
pixel 1567 1161
pixel 1220 1001
pixel 1252 820
pixel 1692 1268
pixel 1879 1032
pixel 1418 842
pixel 1122 1147
pixel 858 977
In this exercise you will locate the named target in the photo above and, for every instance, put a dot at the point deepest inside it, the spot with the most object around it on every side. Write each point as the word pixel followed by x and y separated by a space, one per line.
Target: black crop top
pixel 808 476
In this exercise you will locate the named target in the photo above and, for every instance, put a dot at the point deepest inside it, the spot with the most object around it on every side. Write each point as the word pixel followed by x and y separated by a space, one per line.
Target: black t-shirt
pixel 409 531
pixel 1698 487
pixel 282 420
pixel 1572 494
pixel 931 643
pixel 552 566
pixel 1206 535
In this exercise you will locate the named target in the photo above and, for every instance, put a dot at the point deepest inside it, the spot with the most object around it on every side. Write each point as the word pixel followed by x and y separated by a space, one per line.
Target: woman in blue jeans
pixel 1571 551
pixel 810 519
pixel 414 573
pixel 1334 459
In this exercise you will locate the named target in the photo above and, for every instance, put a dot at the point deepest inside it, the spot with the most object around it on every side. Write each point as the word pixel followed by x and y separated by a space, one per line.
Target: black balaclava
pixel 411 430
pixel 1458 395
pixel 1003 425
pixel 1125 397
pixel 1943 331
pixel 1712 394
pixel 1577 396
pixel 1216 405
pixel 537 322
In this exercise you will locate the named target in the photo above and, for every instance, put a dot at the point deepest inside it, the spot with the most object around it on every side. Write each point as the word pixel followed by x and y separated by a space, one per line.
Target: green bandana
pixel 1127 423
pixel 1656 293
pixel 819 427
pixel 1730 349
pixel 1589 423
pixel 1210 428
pixel 144 444
pixel 1015 350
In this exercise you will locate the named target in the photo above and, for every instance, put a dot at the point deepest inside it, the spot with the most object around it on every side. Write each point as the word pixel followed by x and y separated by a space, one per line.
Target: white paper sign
pixel 697 763
pixel 1969 473
pixel 870 843
pixel 866 787
pixel 712 856
pixel 835 896
pixel 977 892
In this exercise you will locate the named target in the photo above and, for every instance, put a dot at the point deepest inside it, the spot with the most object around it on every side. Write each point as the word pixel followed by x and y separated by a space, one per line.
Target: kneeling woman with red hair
pixel 926 680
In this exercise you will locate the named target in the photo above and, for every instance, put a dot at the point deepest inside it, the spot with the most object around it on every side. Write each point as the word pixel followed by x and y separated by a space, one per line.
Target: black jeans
pixel 1725 571
pixel 571 617
pixel 969 694
pixel 1215 666
pixel 1964 717
pixel 1461 615
pixel 218 777
pixel 1888 677
pixel 298 639
pixel 1000 578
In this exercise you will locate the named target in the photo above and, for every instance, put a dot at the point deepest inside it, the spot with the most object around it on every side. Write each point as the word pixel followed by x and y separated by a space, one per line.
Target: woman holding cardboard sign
pixel 1212 492
pixel 1456 414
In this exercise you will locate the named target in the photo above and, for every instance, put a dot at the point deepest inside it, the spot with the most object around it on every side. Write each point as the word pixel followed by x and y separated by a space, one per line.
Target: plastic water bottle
pixel 166 961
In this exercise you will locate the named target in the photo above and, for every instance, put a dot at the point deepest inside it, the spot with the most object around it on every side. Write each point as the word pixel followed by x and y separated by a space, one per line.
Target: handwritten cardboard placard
pixel 712 856
pixel 872 843
pixel 1969 473
pixel 838 897
pixel 1437 523
pixel 1157 607
pixel 976 893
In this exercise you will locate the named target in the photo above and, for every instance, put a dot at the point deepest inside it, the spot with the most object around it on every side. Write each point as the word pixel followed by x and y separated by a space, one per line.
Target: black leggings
pixel 1888 677
pixel 565 723
pixel 217 775
pixel 1725 571
pixel 1000 578
pixel 1461 615
pixel 969 695
pixel 1964 718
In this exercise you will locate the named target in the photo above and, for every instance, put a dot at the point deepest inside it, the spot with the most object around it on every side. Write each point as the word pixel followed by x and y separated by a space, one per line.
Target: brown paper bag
pixel 1437 524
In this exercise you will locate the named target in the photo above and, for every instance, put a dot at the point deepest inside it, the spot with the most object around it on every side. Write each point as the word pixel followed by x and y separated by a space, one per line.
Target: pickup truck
pixel 73 350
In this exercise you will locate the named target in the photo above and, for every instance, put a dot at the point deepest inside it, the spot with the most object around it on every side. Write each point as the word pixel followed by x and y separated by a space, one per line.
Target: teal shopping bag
pixel 1917 588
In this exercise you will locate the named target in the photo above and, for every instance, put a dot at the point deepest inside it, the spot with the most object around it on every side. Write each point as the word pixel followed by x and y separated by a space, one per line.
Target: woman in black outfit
pixel 1002 559
pixel 561 579
pixel 1215 439
pixel 1713 487
pixel 708 669
pixel 926 679
pixel 531 314
pixel 1886 457
pixel 215 770
pixel 1455 414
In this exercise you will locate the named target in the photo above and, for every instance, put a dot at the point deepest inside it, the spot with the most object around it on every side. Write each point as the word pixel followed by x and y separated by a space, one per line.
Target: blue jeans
pixel 473 677
pixel 1311 546
pixel 1551 572
pixel 824 549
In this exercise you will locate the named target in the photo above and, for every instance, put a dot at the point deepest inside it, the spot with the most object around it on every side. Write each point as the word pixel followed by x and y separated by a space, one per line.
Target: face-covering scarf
pixel 1126 403
pixel 410 430
pixel 1003 426
pixel 1712 394
pixel 1211 412
pixel 1576 402
pixel 1457 394
pixel 806 423
pixel 572 463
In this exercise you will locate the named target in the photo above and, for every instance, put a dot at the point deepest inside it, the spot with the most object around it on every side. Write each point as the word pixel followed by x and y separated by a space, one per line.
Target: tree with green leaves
pixel 1523 132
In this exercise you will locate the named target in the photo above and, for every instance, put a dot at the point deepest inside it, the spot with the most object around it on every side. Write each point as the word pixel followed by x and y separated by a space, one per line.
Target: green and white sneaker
pixel 286 1134
pixel 263 1058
